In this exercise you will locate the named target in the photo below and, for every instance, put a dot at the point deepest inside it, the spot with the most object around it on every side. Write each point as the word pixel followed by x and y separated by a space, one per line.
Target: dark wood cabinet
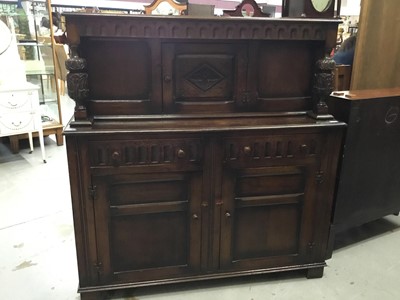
pixel 199 148
pixel 368 186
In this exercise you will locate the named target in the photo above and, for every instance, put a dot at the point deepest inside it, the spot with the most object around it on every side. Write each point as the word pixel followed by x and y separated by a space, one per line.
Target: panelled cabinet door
pixel 267 216
pixel 269 194
pixel 123 76
pixel 148 226
pixel 201 77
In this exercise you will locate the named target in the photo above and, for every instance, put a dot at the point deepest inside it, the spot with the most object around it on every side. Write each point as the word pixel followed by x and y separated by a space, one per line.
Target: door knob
pixel 181 153
pixel 116 158
pixel 247 150
pixel 167 79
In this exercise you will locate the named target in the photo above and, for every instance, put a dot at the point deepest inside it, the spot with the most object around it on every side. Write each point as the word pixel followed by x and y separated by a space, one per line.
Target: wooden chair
pixel 61 71
pixel 342 77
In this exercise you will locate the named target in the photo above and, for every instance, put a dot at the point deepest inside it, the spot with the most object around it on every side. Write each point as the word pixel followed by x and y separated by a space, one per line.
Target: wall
pixel 350 7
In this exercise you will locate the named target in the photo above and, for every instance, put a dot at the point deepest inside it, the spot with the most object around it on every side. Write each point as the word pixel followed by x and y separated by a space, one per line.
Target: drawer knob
pixel 227 214
pixel 181 153
pixel 115 157
pixel 167 79
pixel 247 150
pixel 304 148
pixel 195 216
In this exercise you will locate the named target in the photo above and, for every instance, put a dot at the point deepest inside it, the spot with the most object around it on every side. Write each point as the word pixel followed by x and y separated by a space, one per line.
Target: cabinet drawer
pixel 17 123
pixel 117 153
pixel 271 148
pixel 21 100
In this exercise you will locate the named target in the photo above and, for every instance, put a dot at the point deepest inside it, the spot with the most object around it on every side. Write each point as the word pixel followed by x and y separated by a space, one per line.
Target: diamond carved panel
pixel 204 77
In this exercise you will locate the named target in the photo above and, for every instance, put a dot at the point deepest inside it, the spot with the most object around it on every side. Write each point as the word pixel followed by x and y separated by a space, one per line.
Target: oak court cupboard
pixel 200 148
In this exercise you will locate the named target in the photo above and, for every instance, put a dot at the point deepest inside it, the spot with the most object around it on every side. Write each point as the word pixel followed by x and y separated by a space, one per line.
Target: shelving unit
pixel 32 23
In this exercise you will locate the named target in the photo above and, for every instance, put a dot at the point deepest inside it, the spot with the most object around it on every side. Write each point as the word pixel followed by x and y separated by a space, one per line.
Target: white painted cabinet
pixel 19 112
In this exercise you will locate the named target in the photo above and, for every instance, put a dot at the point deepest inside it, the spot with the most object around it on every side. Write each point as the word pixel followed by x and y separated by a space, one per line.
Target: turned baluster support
pixel 322 87
pixel 78 86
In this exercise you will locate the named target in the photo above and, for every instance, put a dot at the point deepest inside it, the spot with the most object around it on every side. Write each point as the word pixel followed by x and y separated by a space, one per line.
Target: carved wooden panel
pixel 146 152
pixel 271 148
pixel 191 28
pixel 203 77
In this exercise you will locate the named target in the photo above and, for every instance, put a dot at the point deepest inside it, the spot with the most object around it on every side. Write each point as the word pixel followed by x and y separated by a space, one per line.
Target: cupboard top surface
pixel 367 94
pixel 107 16
pixel 192 124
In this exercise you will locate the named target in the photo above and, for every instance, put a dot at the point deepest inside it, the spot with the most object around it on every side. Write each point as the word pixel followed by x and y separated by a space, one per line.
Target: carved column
pixel 78 87
pixel 322 87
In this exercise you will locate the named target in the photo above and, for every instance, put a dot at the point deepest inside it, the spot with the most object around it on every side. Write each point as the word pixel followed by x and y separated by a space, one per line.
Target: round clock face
pixel 321 5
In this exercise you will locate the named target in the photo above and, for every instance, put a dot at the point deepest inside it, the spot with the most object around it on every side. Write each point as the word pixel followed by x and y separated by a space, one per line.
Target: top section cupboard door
pixel 200 78
pixel 121 76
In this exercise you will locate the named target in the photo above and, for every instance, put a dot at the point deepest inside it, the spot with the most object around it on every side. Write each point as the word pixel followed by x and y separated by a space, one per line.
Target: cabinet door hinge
pixel 319 177
pixel 99 267
pixel 92 191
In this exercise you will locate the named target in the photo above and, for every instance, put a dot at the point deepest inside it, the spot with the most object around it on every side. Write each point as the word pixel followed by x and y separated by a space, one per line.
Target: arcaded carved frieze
pixel 207 28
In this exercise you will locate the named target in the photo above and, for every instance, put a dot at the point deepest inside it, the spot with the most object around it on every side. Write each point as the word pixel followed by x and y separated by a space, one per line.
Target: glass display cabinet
pixel 31 23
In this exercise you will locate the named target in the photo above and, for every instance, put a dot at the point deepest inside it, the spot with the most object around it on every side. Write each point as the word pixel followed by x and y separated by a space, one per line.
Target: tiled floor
pixel 37 252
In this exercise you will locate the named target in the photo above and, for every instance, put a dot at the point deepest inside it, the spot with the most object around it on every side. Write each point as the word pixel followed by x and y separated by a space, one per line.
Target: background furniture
pixel 246 8
pixel 342 77
pixel 200 147
pixel 60 59
pixel 32 25
pixel 376 61
pixel 368 185
pixel 165 7
pixel 20 114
